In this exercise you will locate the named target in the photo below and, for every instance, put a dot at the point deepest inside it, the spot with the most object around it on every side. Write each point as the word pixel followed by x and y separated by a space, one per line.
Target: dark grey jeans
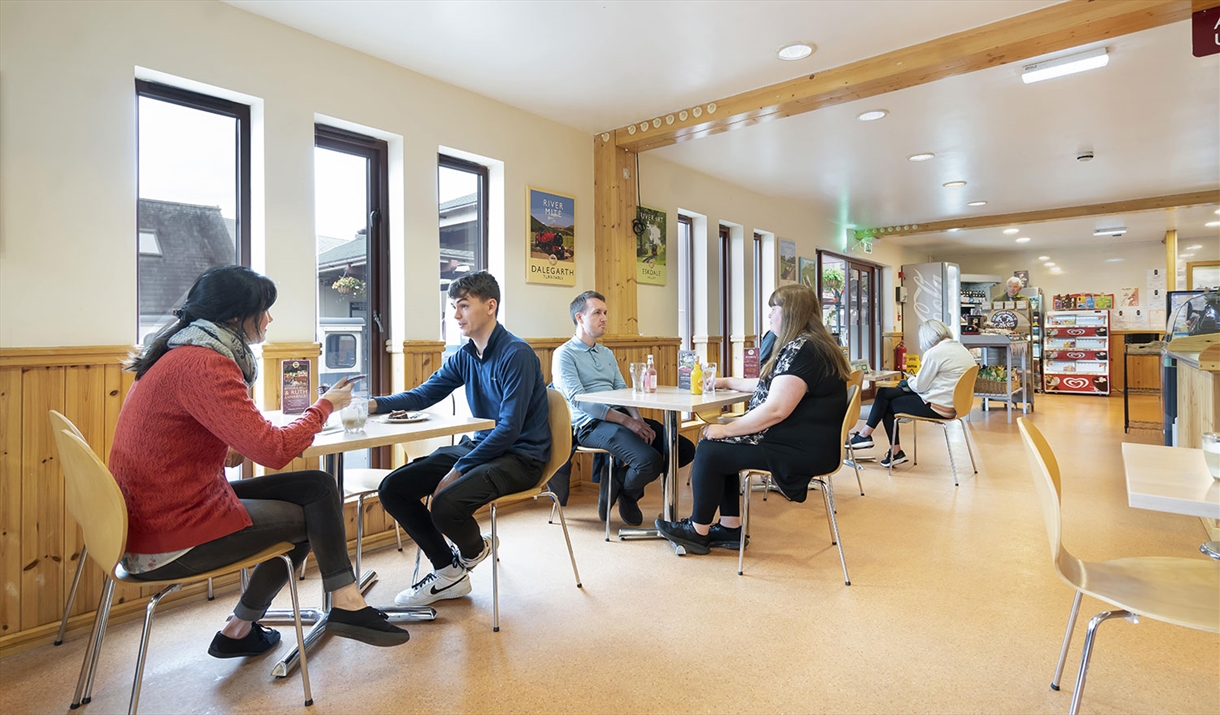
pixel 302 508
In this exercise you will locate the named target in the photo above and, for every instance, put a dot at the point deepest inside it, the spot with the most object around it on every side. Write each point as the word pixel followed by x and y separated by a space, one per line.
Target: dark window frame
pixel 758 299
pixel 726 299
pixel 224 107
pixel 483 213
pixel 688 249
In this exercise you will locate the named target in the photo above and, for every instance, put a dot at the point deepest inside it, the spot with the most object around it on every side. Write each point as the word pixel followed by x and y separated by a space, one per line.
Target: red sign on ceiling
pixel 1205 32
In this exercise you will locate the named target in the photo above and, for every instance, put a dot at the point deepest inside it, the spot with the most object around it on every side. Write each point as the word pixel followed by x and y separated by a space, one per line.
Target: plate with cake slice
pixel 405 416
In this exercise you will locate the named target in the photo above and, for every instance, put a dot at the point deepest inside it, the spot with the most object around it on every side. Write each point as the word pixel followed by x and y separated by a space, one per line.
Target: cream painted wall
pixel 669 187
pixel 68 163
pixel 1098 269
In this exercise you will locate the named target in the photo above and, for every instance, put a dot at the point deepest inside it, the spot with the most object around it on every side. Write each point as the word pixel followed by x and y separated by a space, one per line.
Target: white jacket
pixel 939 370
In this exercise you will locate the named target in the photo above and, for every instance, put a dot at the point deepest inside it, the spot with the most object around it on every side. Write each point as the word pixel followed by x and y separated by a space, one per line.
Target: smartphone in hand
pixel 353 379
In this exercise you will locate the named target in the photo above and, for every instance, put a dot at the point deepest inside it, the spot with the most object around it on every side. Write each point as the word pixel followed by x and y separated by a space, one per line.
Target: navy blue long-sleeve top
pixel 505 384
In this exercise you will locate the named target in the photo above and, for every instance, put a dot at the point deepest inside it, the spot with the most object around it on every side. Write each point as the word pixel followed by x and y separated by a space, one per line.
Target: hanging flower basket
pixel 349 285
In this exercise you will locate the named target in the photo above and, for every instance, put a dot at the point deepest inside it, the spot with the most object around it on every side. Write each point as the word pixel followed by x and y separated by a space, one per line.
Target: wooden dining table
pixel 673 402
pixel 330 444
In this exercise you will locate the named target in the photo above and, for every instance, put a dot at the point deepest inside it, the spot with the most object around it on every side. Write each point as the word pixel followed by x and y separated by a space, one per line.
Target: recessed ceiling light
pixel 1056 269
pixel 977 203
pixel 1011 231
pixel 1044 258
pixel 1060 66
pixel 953 184
pixel 1114 231
pixel 1186 255
pixel 873 115
pixel 1023 239
pixel 1195 247
pixel 920 157
pixel 1218 212
pixel 796 51
pixel 1114 260
pixel 953 230
pixel 1212 224
pixel 1048 264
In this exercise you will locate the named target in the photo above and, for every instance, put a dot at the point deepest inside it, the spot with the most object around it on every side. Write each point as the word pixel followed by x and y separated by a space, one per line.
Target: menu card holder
pixel 295 386
pixel 686 363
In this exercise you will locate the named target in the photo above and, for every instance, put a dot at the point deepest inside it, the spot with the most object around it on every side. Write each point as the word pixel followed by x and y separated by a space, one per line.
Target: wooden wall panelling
pixel 1198 405
pixel 85 405
pixel 10 500
pixel 271 376
pixel 42 523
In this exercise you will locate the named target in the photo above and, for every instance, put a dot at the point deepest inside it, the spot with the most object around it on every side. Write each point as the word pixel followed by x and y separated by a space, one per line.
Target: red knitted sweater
pixel 170 446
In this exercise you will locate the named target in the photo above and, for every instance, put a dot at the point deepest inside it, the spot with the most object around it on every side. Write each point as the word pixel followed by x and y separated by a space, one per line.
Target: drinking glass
pixel 709 378
pixel 1211 452
pixel 355 414
pixel 637 377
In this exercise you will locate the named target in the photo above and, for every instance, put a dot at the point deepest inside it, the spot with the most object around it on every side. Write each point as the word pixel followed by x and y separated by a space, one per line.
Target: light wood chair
pixel 823 480
pixel 561 447
pixel 1184 592
pixel 607 483
pixel 963 403
pixel 96 503
pixel 856 380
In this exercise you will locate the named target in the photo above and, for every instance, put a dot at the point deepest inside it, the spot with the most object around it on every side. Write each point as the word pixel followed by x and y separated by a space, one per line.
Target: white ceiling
pixel 1152 116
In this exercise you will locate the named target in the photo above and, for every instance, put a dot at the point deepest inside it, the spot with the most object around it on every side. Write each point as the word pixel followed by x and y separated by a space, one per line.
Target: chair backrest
pixel 93 497
pixel 1045 472
pixel 561 433
pixel 963 394
pixel 849 419
pixel 856 378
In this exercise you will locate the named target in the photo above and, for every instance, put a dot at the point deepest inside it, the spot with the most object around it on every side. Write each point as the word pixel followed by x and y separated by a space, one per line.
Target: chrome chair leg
pixel 92 648
pixel 211 591
pixel 564 522
pixel 1087 653
pixel 301 574
pixel 296 617
pixel 1067 640
pixel 551 519
pixel 834 529
pixel 828 497
pixel 851 454
pixel 608 485
pixel 359 535
pixel 495 573
pixel 398 536
pixel 914 443
pixel 80 566
pixel 966 438
pixel 149 611
pixel 97 648
pixel 245 578
pixel 745 523
pixel 952 464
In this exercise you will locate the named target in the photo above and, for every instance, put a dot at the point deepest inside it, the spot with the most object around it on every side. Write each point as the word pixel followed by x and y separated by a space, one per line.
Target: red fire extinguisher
pixel 900 356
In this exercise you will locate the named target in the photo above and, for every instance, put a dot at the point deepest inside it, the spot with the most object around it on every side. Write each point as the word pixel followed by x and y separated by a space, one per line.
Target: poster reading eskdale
pixel 551 241
pixel 650 247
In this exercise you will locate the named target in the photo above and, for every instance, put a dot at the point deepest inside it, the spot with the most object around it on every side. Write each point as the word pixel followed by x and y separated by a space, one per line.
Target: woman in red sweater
pixel 188 415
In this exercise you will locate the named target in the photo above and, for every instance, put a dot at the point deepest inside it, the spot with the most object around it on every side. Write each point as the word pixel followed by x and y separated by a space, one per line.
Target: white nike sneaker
pixel 469 564
pixel 449 582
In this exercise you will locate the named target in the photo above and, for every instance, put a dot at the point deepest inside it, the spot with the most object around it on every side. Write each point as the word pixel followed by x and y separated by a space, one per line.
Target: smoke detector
pixel 1084 155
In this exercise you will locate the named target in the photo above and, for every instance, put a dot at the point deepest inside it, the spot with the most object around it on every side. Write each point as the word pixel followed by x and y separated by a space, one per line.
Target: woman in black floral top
pixel 792 427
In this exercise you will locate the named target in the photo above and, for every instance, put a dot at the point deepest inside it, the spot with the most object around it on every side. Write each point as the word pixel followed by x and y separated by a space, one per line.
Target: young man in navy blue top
pixel 504 382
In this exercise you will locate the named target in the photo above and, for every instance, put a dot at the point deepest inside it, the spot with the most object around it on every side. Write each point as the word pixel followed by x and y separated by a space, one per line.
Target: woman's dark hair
pixel 221 295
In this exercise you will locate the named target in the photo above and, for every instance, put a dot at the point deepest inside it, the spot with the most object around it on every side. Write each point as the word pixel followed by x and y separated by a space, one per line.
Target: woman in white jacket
pixel 927 394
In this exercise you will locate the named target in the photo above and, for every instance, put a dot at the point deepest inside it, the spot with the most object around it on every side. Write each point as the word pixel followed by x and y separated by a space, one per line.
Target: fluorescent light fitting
pixel 953 184
pixel 1114 231
pixel 1023 239
pixel 796 51
pixel 1195 247
pixel 1044 258
pixel 1218 212
pixel 977 203
pixel 920 157
pixel 873 115
pixel 1212 224
pixel 1056 269
pixel 1048 264
pixel 953 230
pixel 1011 231
pixel 1061 66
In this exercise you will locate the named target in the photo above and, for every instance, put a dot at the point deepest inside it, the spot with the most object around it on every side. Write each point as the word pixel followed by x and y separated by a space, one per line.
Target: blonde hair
pixel 801 316
pixel 932 332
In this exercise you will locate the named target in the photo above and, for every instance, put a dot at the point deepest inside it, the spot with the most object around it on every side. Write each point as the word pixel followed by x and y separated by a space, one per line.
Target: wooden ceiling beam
pixel 1051 29
pixel 1194 198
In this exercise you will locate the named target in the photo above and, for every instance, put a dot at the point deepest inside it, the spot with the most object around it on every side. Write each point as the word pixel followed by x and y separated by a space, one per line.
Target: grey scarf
pixel 222 339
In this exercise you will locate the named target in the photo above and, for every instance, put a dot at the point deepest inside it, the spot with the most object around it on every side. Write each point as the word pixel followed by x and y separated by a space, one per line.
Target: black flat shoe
pixel 368 625
pixel 629 511
pixel 722 537
pixel 259 640
pixel 683 533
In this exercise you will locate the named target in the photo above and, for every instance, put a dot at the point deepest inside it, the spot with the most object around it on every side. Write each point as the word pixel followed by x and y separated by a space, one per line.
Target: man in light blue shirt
pixel 581 365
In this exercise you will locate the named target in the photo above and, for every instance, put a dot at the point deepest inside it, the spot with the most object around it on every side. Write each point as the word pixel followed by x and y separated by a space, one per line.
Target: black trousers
pixel 403 492
pixel 636 462
pixel 302 508
pixel 714 482
pixel 890 401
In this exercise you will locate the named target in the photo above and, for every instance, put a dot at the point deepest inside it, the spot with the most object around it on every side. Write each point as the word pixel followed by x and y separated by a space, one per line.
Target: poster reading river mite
pixel 551 238
pixel 650 247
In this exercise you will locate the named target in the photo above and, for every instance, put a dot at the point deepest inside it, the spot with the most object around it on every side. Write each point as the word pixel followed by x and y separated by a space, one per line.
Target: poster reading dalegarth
pixel 551 242
pixel 650 247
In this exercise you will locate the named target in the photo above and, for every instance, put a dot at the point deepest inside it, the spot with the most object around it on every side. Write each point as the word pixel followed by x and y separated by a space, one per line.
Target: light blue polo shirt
pixel 576 369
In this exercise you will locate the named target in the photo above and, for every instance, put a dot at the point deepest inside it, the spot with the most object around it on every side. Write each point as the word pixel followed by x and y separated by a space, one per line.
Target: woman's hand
pixel 233 458
pixel 714 431
pixel 340 395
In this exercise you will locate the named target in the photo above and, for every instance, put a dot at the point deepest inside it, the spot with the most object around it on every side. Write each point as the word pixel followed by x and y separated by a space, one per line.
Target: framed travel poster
pixel 787 262
pixel 650 247
pixel 550 238
pixel 809 272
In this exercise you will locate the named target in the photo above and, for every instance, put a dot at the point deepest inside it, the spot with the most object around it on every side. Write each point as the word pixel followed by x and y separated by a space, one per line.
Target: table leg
pixel 669 488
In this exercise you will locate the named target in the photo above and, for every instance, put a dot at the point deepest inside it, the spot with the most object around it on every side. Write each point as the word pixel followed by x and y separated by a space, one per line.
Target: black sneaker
pixel 722 537
pixel 629 510
pixel 368 625
pixel 259 640
pixel 683 533
pixel 860 442
pixel 897 459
